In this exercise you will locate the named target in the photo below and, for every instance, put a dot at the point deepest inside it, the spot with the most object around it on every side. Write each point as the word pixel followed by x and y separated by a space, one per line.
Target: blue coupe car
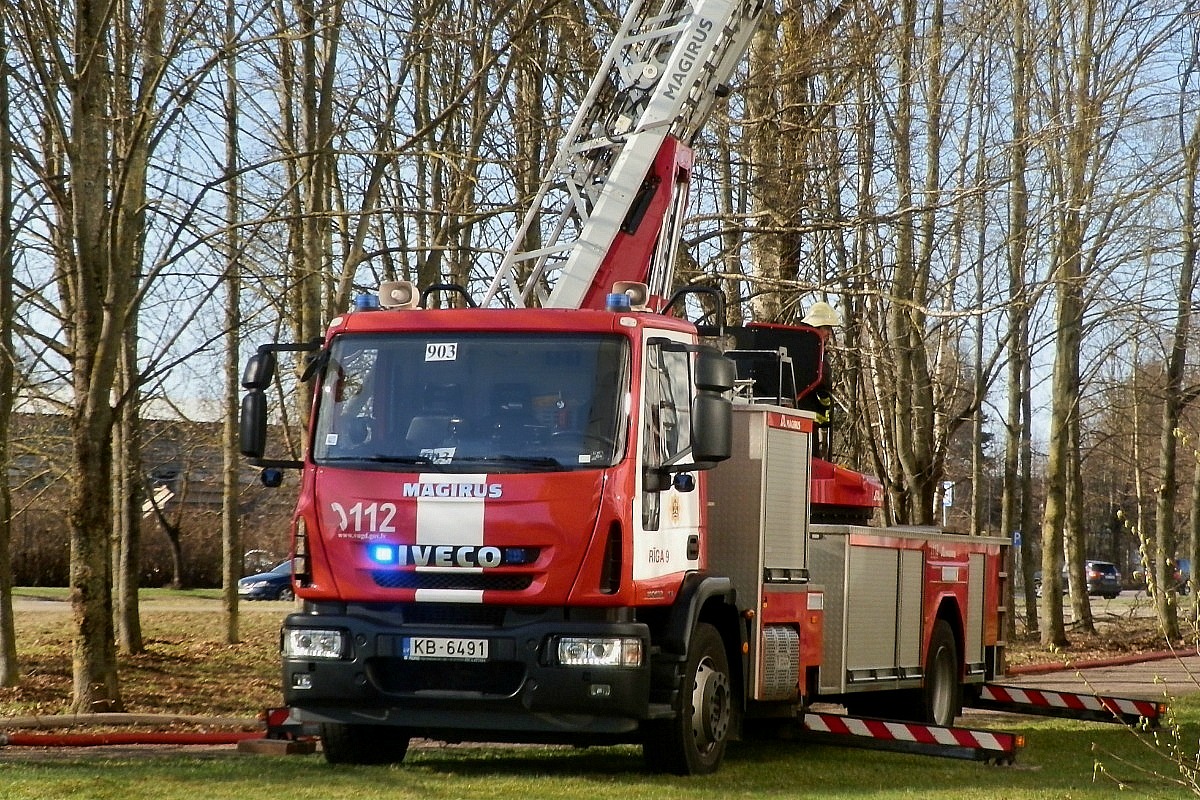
pixel 275 584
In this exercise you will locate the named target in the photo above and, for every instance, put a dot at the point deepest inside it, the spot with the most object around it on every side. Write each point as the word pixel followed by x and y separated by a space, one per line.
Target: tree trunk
pixel 1075 541
pixel 9 667
pixel 912 413
pixel 1015 500
pixel 96 302
pixel 127 507
pixel 1191 250
pixel 1165 542
pixel 94 655
pixel 1054 517
pixel 231 547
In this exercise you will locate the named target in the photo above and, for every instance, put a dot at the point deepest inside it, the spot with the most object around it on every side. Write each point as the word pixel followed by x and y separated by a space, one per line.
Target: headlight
pixel 313 643
pixel 580 651
pixel 256 584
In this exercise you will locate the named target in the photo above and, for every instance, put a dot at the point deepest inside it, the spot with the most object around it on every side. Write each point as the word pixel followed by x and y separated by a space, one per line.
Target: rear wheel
pixel 937 702
pixel 363 744
pixel 941 696
pixel 693 742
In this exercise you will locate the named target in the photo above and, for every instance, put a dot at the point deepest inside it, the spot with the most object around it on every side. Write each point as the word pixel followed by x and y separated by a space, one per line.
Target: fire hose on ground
pixel 271 729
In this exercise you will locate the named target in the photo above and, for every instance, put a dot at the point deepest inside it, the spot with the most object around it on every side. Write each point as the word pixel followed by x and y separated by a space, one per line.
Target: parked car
pixel 1183 575
pixel 275 584
pixel 1103 579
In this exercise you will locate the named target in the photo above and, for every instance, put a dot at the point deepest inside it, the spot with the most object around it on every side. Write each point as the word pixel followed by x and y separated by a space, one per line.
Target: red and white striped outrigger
pixel 1072 705
pixel 998 747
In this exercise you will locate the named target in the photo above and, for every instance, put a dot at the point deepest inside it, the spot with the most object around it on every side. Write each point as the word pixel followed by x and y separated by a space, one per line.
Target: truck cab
pixel 498 511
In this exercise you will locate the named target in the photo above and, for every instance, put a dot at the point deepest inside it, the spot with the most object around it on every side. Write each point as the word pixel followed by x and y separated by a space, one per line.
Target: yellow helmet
pixel 820 315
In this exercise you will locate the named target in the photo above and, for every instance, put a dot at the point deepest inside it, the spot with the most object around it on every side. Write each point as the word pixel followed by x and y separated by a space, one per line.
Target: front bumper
pixel 259 593
pixel 519 693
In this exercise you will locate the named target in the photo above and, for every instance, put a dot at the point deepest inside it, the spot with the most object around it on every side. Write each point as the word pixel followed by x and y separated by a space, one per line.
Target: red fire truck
pixel 568 514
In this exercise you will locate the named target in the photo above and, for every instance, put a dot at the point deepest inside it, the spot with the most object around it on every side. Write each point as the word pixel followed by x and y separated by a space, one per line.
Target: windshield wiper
pixel 539 462
pixel 381 458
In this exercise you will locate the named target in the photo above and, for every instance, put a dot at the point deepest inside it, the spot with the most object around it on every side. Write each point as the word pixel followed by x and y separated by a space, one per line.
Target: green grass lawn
pixel 188 669
pixel 1059 762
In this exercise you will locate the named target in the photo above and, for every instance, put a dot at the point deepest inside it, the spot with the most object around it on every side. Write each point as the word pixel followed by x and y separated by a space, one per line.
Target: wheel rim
pixel 710 706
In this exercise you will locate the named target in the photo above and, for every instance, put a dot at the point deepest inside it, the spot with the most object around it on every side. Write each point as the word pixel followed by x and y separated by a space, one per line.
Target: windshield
pixel 469 402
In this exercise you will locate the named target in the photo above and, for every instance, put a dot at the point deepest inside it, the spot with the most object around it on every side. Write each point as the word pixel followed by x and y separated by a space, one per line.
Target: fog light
pixel 301 680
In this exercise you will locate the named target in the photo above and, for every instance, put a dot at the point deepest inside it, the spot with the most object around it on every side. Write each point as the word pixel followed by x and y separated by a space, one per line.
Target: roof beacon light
pixel 617 302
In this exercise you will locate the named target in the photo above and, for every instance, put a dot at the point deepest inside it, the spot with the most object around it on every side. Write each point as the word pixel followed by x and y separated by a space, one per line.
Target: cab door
pixel 667 515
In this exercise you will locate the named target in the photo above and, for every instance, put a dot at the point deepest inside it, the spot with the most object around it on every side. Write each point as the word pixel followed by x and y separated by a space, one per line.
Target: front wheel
pixel 693 742
pixel 363 744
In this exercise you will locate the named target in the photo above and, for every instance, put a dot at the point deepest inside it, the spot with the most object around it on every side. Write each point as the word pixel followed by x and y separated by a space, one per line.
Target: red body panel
pixel 565 517
pixel 554 515
pixel 835 485
pixel 947 576
pixel 806 610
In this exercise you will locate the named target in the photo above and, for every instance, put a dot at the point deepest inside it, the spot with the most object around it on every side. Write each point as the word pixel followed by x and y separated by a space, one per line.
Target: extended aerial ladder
pixel 612 203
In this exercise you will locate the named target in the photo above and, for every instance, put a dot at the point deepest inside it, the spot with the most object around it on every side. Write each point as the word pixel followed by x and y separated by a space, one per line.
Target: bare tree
pixel 1016 504
pixel 231 556
pixel 95 82
pixel 1174 395
pixel 9 670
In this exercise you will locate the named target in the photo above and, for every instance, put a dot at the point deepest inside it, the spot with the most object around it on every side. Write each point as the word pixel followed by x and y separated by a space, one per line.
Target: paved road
pixel 1172 677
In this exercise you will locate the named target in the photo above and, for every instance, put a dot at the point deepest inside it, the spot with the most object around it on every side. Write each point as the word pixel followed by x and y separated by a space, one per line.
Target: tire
pixel 941 694
pixel 363 744
pixel 693 743
pixel 286 593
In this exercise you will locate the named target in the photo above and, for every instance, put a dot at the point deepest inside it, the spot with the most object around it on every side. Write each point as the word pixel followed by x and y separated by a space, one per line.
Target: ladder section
pixel 667 66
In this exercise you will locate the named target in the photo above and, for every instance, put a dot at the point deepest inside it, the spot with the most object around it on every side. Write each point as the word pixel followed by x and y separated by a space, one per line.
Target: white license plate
pixel 432 648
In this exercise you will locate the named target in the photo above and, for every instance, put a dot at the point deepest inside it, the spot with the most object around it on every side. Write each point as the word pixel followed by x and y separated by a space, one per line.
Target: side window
pixel 666 418
pixel 667 413
pixel 347 403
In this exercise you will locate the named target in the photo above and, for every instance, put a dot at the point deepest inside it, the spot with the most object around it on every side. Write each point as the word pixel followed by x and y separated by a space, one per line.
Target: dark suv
pixel 1103 578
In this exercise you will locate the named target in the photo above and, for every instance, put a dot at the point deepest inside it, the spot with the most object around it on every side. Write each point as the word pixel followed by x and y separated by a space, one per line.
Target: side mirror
pixel 714 372
pixel 655 480
pixel 712 412
pixel 252 424
pixel 259 371
pixel 712 428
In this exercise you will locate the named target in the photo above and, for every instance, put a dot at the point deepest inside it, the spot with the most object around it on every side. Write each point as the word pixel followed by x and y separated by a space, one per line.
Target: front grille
pixel 453 614
pixel 397 676
pixel 487 581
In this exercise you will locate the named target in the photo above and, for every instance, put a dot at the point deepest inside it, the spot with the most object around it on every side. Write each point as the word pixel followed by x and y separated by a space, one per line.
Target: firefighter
pixel 819 399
